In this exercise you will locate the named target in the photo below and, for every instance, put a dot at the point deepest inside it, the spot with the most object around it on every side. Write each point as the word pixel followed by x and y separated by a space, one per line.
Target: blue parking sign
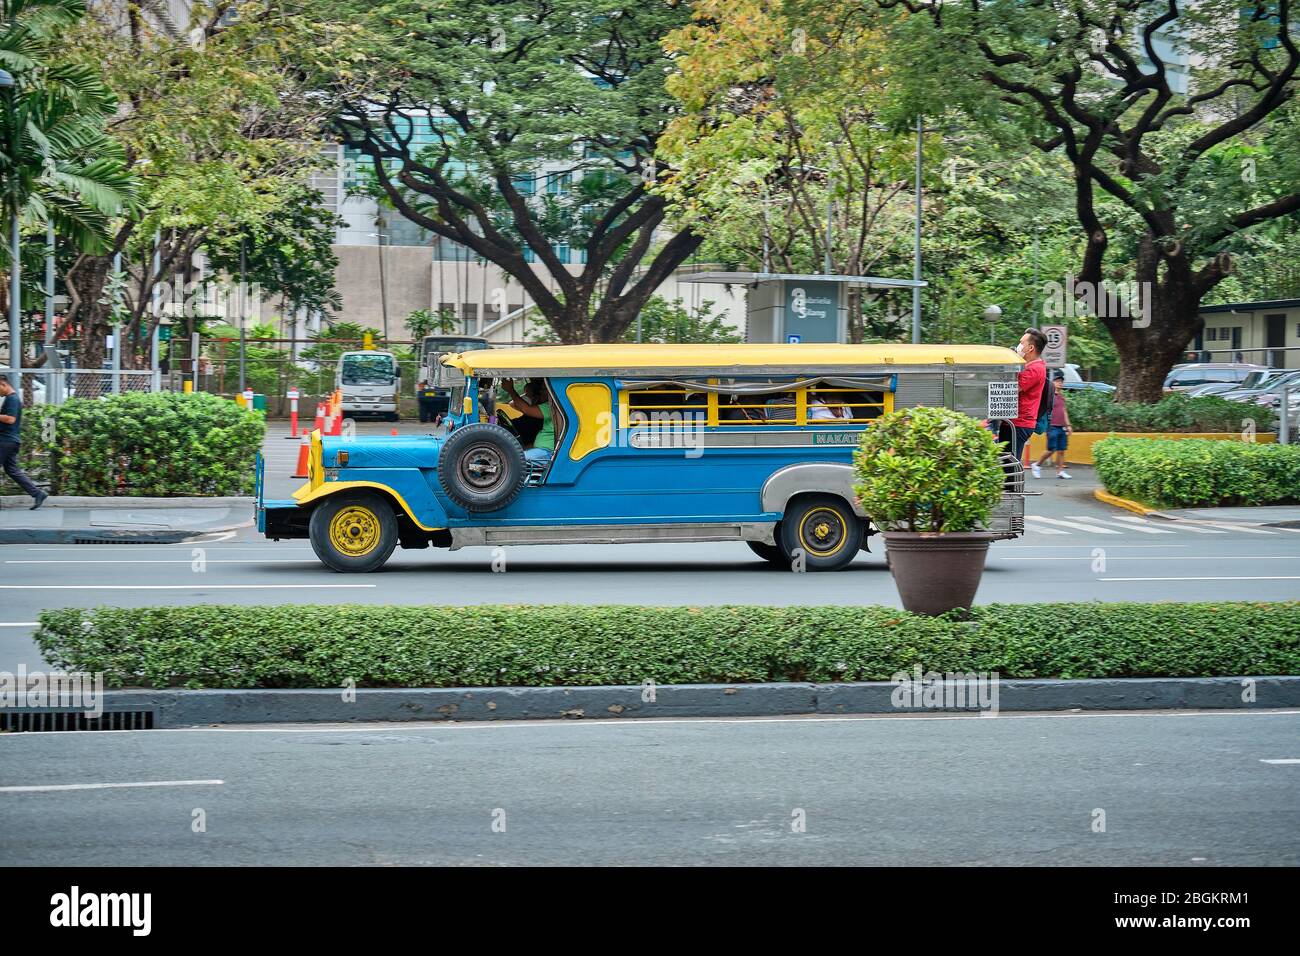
pixel 793 339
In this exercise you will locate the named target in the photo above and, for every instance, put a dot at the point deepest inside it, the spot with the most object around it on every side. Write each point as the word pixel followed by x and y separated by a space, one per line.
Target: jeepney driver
pixel 535 403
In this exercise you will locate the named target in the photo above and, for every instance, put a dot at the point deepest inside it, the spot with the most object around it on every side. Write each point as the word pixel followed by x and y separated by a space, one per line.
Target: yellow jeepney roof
pixel 752 359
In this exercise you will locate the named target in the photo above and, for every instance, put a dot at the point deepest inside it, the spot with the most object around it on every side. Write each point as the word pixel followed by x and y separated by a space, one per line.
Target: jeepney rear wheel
pixel 825 529
pixel 353 532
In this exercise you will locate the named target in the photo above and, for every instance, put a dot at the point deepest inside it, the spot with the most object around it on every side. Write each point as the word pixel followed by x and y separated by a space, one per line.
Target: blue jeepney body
pixel 614 479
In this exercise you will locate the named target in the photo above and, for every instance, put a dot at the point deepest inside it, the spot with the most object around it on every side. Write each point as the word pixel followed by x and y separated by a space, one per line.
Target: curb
pixel 110 535
pixel 77 501
pixel 1137 508
pixel 166 709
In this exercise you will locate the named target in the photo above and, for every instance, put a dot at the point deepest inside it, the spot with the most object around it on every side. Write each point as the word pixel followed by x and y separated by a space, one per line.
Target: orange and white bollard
pixel 304 453
pixel 293 413
pixel 320 418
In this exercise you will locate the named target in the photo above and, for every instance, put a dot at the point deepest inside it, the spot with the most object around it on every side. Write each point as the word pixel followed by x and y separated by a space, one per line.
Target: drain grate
pixel 44 721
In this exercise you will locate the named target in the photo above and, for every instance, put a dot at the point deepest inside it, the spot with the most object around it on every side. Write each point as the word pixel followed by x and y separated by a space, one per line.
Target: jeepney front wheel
pixel 353 532
pixel 825 529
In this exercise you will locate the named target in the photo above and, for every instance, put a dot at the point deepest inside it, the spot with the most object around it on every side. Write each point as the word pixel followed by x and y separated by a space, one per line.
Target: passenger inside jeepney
pixel 534 406
pixel 824 407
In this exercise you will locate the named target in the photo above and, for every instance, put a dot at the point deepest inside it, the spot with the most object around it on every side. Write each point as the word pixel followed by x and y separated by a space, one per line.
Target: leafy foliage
pixel 928 469
pixel 664 321
pixel 558 645
pixel 1097 412
pixel 288 254
pixel 1198 472
pixel 57 163
pixel 508 127
pixel 161 444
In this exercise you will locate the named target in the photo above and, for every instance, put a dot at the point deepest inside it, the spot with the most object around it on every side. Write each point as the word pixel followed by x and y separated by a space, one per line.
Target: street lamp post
pixel 991 315
pixel 383 279
pixel 916 239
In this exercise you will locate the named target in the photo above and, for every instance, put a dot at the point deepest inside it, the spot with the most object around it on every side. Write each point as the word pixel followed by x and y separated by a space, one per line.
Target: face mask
pixel 1020 349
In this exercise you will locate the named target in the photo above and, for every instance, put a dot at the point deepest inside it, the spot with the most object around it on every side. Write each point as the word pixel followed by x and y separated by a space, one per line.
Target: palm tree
pixel 57 163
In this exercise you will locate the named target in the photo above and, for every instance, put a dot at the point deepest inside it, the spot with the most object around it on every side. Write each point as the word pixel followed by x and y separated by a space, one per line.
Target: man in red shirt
pixel 1033 377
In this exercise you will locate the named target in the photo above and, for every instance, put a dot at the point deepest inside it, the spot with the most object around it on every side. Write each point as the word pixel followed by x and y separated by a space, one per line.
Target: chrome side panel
pixel 829 478
pixel 613 533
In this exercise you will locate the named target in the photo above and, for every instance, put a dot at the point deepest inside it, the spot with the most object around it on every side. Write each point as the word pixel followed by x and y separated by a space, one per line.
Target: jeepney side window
pixel 849 406
pixel 660 405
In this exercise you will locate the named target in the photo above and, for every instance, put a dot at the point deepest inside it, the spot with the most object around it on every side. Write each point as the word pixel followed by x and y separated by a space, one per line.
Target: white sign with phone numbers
pixel 1004 400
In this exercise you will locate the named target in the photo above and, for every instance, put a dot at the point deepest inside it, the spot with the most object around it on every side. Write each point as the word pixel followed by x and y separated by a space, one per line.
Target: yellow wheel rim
pixel 823 532
pixel 354 531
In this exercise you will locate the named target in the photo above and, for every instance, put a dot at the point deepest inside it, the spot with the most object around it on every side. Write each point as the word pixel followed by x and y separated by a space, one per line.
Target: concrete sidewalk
pixel 69 520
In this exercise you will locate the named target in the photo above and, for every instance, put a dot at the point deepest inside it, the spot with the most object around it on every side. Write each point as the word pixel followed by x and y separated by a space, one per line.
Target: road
pixel 1175 789
pixel 1075 549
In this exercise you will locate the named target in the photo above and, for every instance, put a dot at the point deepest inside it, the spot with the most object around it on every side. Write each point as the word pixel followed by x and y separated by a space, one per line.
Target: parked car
pixel 1253 380
pixel 1075 382
pixel 1269 394
pixel 1193 374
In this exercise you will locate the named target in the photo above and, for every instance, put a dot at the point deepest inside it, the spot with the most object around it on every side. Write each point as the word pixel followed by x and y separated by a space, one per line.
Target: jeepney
pixel 652 443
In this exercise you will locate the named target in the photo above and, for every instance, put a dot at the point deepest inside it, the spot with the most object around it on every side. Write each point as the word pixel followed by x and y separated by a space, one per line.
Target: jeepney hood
pixel 383 451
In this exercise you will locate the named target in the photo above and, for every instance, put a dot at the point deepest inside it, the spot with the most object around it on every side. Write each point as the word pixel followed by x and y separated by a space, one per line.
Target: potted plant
pixel 930 478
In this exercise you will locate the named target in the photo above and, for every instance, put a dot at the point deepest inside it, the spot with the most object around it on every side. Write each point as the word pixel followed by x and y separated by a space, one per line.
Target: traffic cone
pixel 394 432
pixel 328 429
pixel 304 453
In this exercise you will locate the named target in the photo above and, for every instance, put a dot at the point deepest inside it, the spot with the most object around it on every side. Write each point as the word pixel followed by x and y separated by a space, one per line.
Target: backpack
pixel 1045 403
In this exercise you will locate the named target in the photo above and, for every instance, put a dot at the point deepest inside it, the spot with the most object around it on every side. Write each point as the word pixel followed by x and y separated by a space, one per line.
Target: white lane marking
pixel 1023 546
pixel 172 587
pixel 1228 526
pixel 1274 577
pixel 1144 557
pixel 19 623
pixel 156 561
pixel 113 786
pixel 167 548
pixel 1095 529
pixel 1286 760
pixel 1139 526
pixel 391 726
pixel 1186 526
pixel 1037 530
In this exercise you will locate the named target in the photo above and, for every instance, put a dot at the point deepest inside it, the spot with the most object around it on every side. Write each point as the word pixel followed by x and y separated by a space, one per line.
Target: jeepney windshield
pixel 374 369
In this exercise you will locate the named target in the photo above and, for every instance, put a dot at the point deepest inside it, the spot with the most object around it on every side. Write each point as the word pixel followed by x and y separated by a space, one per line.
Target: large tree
pixel 1178 120
pixel 508 126
pixel 221 133
pixel 787 156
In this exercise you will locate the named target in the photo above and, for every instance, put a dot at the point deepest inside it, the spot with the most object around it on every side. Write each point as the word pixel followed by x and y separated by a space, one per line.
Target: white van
pixel 369 381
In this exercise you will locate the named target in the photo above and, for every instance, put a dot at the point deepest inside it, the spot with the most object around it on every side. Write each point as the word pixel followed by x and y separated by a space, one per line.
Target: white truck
pixel 431 398
pixel 370 381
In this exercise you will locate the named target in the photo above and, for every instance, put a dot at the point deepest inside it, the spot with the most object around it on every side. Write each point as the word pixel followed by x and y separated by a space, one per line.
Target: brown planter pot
pixel 936 572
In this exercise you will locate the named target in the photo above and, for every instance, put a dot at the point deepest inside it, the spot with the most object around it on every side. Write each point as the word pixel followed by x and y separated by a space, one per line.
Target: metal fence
pixel 47 386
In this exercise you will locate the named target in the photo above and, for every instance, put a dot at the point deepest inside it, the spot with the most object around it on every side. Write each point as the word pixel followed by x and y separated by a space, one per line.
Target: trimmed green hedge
pixel 1096 412
pixel 139 443
pixel 488 646
pixel 1198 472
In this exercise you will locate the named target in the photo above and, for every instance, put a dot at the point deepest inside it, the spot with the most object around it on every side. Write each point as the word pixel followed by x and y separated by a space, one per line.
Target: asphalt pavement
pixel 1164 789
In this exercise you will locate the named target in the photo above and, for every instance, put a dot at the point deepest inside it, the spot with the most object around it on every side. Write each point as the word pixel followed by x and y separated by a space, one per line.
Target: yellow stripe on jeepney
pixel 651 359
